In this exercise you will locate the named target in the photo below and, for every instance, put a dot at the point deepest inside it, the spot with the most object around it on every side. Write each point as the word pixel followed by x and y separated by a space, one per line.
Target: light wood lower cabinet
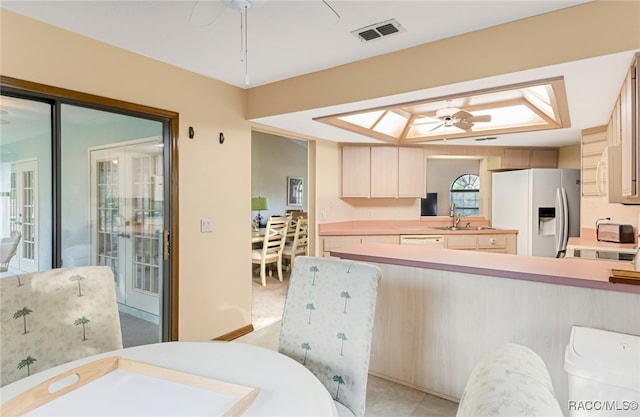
pixel 498 243
pixel 333 242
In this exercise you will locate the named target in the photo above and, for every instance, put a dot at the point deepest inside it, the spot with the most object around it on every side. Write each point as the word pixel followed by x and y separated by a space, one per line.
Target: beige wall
pixel 213 298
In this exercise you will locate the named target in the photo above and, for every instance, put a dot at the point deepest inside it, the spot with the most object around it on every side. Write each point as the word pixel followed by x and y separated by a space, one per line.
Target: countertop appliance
pixel 613 232
pixel 542 203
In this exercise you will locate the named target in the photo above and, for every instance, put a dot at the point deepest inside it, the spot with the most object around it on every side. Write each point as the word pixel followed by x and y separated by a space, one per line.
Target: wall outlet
pixel 206 226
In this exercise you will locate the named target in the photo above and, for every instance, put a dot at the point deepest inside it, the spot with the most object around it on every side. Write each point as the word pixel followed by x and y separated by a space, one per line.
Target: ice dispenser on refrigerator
pixel 546 220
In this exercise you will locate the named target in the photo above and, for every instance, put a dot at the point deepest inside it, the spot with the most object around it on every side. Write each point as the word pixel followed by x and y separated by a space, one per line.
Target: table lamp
pixel 258 204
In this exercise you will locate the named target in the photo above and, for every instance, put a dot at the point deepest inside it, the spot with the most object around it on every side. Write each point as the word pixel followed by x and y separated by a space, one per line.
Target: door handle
pixel 166 242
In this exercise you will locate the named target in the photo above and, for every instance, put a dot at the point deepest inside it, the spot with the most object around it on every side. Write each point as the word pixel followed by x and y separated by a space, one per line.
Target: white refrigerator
pixel 542 203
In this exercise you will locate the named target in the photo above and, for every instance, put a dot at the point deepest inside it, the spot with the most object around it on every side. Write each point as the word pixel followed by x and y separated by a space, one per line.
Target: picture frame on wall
pixel 295 187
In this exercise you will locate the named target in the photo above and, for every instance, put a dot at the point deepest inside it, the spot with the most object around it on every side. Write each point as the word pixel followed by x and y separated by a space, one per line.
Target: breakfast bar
pixel 439 311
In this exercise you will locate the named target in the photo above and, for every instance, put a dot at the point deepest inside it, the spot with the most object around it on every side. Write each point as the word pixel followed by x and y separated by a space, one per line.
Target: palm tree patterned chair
pixel 56 316
pixel 327 323
pixel 511 380
pixel 8 249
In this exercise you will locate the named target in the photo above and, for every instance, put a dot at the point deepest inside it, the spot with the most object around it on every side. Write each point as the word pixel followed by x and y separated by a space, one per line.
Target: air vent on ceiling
pixel 487 138
pixel 378 30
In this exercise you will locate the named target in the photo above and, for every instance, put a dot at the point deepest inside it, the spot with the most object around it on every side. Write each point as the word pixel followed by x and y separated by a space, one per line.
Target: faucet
pixel 454 214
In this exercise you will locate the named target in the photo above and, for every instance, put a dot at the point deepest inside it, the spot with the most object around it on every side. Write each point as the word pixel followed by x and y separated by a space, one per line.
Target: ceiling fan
pixel 460 118
pixel 205 12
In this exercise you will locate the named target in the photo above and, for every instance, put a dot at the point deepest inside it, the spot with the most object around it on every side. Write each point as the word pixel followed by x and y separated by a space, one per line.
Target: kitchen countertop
pixel 568 271
pixel 409 227
pixel 589 243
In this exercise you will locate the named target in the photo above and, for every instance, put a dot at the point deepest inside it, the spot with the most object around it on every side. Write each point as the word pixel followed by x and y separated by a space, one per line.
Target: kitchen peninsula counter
pixel 570 271
pixel 439 311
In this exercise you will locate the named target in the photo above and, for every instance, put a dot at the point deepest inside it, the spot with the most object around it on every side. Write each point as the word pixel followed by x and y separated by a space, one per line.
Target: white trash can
pixel 604 373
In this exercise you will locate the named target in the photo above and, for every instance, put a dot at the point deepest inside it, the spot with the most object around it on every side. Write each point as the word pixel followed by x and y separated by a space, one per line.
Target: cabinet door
pixel 627 137
pixel 384 171
pixel 544 158
pixel 594 141
pixel 613 130
pixel 516 159
pixel 465 242
pixel 356 171
pixel 411 172
pixel 393 239
pixel 333 242
pixel 496 243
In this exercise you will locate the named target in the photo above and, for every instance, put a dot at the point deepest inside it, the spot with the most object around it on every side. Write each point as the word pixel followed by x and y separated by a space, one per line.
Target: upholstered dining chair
pixel 299 245
pixel 327 324
pixel 271 252
pixel 8 249
pixel 56 316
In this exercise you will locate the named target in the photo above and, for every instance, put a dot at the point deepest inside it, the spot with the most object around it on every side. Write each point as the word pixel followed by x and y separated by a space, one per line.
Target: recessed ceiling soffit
pixel 523 107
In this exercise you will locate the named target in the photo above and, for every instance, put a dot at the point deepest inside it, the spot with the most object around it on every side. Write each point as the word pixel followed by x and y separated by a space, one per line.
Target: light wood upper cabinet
pixel 516 158
pixel 594 142
pixel 544 158
pixel 383 172
pixel 356 171
pixel 628 133
pixel 610 163
pixel 412 177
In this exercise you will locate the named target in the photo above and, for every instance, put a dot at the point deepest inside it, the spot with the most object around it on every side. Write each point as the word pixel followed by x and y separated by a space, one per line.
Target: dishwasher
pixel 437 241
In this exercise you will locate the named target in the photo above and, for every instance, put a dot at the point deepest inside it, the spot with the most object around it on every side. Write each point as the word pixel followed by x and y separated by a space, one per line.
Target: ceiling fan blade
pixel 463 124
pixel 462 115
pixel 205 12
pixel 437 127
pixel 479 118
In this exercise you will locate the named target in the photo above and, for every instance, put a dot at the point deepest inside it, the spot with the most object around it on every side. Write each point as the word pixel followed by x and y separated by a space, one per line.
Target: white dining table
pixel 287 388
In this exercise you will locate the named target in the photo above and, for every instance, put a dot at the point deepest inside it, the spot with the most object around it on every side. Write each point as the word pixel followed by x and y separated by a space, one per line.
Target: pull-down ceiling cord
pixel 244 55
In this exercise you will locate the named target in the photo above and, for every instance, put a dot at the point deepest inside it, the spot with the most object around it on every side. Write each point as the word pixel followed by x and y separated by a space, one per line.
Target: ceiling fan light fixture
pixel 240 5
pixel 447 112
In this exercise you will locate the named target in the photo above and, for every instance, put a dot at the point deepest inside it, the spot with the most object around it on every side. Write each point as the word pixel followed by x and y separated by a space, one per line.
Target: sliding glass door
pixel 86 186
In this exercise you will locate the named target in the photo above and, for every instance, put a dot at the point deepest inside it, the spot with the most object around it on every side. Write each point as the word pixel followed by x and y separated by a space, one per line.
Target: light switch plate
pixel 206 225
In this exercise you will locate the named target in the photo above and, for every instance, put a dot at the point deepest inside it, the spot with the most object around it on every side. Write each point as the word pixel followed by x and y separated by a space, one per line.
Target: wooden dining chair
pixel 272 245
pixel 8 249
pixel 299 244
pixel 327 324
pixel 55 316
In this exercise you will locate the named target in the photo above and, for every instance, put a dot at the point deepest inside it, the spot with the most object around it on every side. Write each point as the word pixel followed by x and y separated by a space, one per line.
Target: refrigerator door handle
pixel 562 222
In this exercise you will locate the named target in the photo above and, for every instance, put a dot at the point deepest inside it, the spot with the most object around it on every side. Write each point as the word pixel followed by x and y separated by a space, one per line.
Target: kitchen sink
pixel 464 228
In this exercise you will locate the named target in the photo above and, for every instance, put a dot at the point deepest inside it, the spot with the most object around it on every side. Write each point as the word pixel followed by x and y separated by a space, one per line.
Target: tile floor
pixel 384 398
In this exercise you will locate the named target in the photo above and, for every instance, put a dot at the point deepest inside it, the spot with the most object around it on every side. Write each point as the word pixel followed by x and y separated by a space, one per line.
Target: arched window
pixel 465 193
